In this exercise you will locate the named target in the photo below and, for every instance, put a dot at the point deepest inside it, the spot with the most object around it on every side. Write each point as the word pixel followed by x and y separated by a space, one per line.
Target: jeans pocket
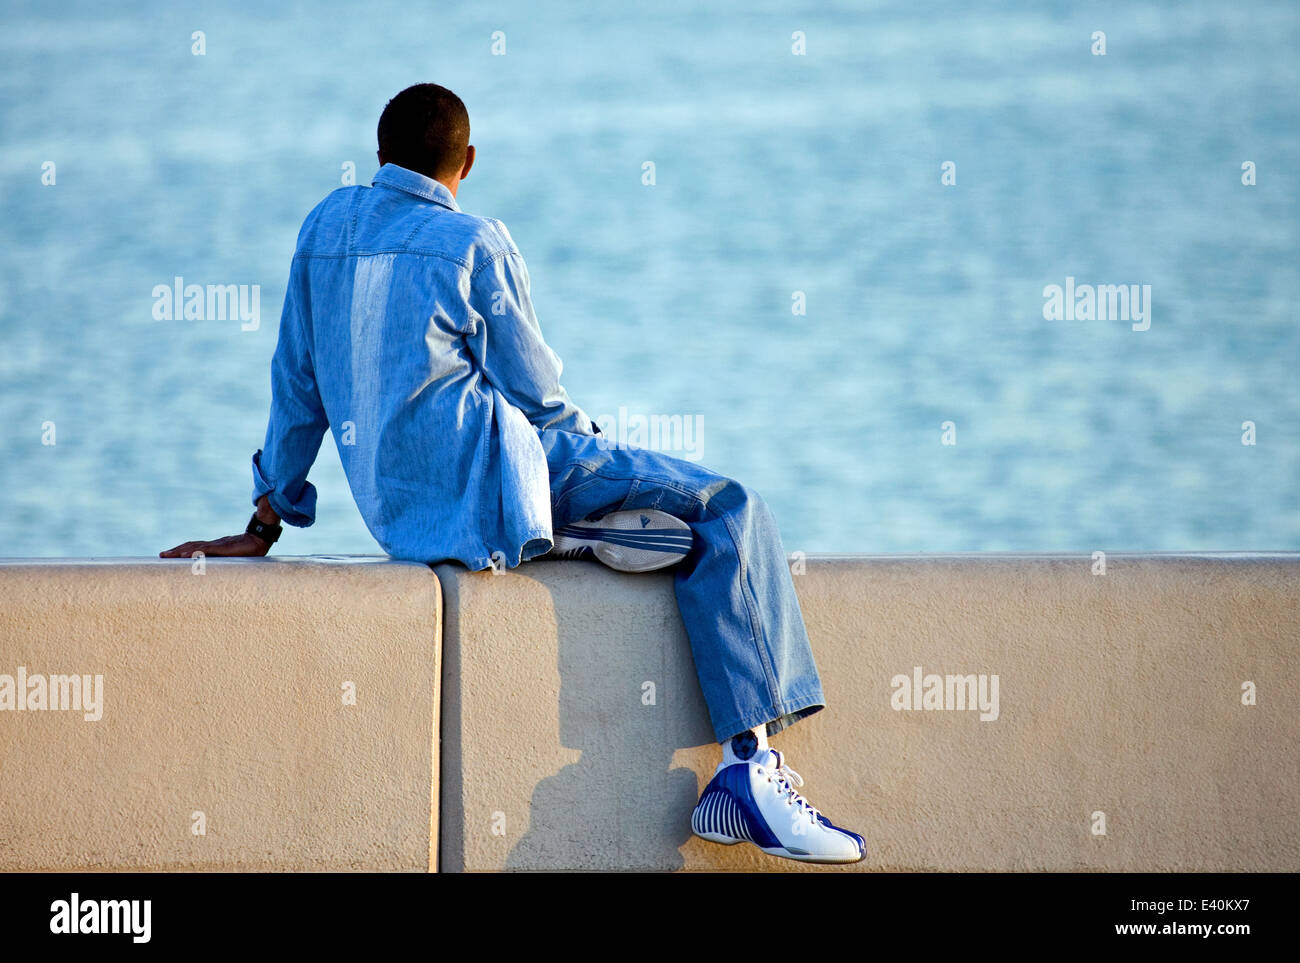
pixel 633 488
pixel 578 480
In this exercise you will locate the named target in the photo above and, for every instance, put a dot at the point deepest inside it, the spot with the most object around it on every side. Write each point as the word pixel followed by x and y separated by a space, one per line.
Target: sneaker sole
pixel 781 852
pixel 630 541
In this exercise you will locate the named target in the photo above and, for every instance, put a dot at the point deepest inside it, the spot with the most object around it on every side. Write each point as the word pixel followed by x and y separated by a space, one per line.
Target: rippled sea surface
pixel 774 173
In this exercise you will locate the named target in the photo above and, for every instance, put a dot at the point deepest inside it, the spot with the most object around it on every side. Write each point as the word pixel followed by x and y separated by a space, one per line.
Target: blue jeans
pixel 734 588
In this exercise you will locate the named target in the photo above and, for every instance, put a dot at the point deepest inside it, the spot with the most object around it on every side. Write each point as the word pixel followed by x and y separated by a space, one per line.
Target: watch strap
pixel 263 530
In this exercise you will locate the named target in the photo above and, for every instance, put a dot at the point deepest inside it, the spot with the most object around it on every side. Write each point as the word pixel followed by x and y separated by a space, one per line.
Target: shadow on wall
pixel 627 708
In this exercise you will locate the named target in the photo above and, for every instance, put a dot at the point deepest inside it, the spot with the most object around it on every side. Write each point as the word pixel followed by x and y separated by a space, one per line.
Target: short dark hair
pixel 425 129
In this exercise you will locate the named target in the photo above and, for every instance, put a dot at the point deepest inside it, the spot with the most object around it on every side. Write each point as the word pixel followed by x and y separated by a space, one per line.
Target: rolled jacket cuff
pixel 299 512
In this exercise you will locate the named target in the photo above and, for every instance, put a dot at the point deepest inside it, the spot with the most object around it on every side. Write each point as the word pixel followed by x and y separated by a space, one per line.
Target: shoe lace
pixel 786 780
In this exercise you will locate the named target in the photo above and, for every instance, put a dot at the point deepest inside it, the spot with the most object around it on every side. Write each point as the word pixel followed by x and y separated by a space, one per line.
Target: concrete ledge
pixel 1119 694
pixel 223 695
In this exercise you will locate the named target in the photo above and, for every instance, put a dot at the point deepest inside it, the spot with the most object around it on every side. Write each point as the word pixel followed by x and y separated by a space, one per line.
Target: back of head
pixel 425 129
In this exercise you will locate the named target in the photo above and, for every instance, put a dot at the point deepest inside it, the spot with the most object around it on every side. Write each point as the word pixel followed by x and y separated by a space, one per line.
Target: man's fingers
pixel 183 550
pixel 231 545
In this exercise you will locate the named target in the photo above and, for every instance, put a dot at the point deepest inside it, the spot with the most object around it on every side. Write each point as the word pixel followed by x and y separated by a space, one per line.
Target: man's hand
pixel 228 547
pixel 232 545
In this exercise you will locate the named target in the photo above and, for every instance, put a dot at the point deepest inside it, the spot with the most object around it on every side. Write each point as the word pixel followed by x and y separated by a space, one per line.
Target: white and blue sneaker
pixel 629 541
pixel 756 802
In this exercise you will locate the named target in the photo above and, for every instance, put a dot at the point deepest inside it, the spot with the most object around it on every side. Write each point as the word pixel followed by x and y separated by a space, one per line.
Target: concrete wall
pixel 1119 694
pixel 223 694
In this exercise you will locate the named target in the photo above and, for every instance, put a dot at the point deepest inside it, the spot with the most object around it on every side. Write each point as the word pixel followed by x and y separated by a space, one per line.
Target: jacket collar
pixel 401 179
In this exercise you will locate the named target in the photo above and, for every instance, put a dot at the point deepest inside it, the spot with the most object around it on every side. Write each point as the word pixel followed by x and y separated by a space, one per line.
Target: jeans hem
pixel 778 717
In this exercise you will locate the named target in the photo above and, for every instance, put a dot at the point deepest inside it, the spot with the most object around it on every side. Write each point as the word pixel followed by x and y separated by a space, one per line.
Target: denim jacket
pixel 408 331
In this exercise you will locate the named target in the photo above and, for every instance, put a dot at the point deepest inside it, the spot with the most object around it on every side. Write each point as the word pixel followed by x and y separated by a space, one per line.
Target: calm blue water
pixel 775 173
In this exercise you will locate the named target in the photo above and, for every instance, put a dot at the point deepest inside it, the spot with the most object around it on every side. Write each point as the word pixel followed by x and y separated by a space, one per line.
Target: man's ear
pixel 380 155
pixel 469 162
